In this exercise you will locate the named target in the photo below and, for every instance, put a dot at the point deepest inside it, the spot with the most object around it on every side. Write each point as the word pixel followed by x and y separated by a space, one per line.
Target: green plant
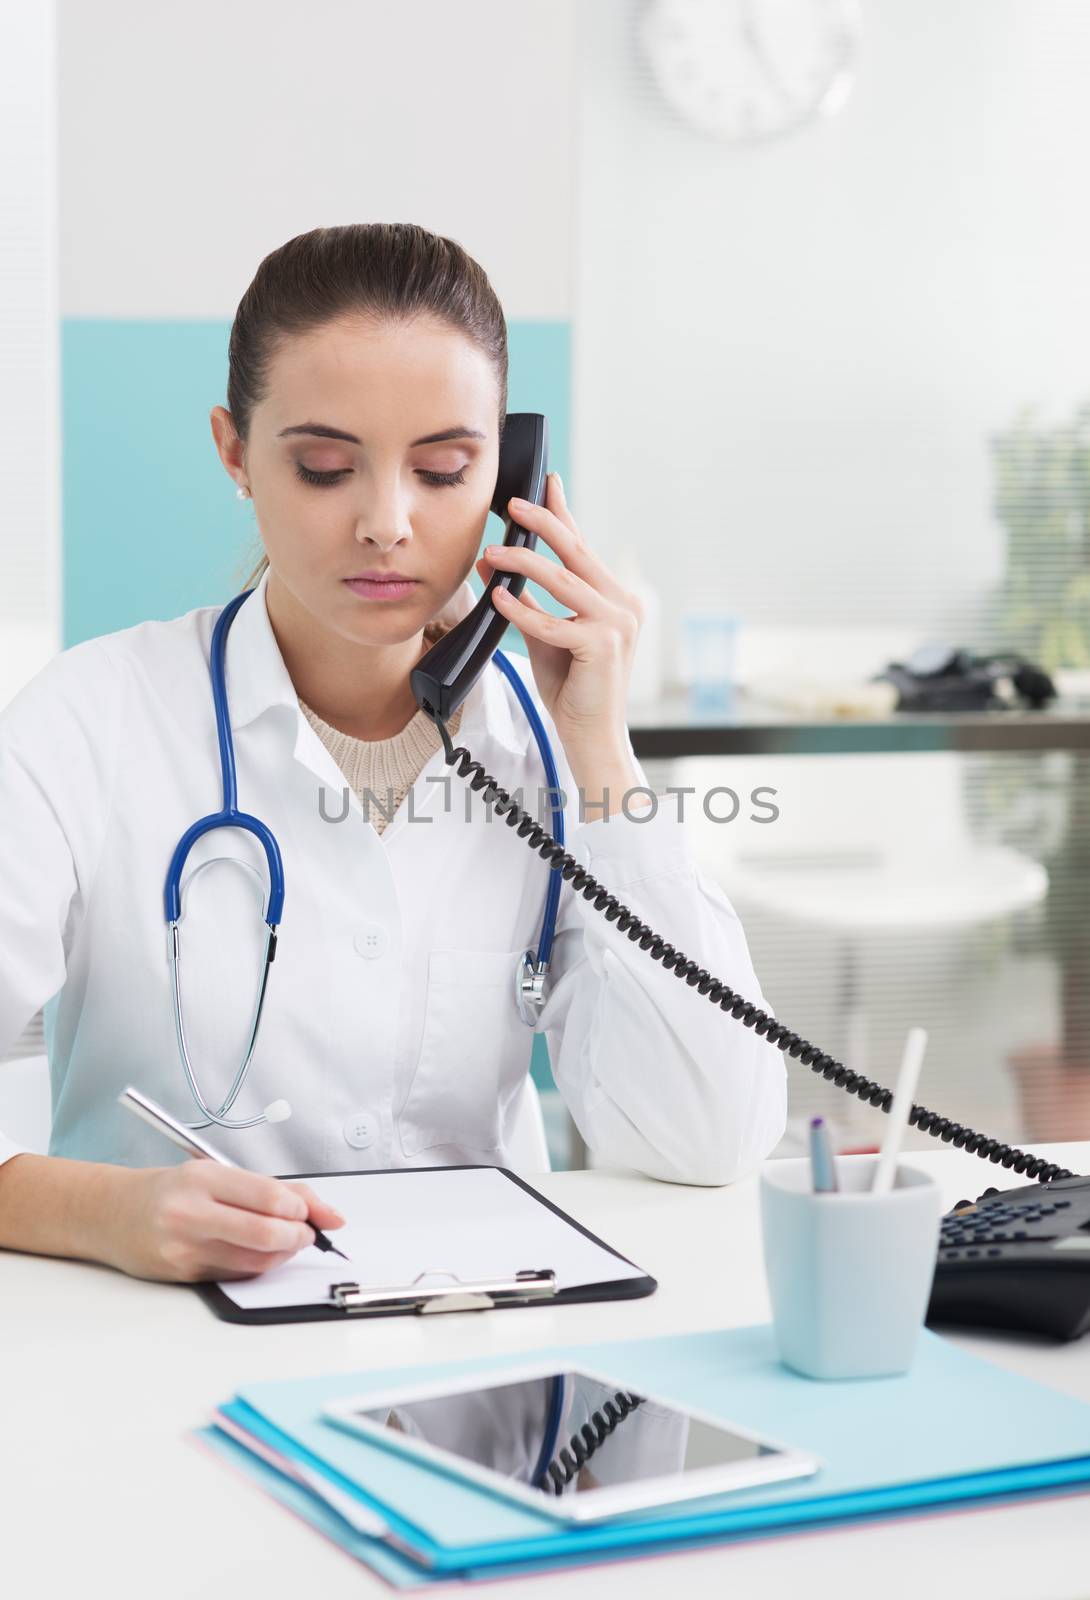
pixel 1042 500
pixel 1041 804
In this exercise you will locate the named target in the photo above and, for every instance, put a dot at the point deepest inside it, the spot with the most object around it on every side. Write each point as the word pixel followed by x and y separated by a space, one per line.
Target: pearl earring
pixel 242 493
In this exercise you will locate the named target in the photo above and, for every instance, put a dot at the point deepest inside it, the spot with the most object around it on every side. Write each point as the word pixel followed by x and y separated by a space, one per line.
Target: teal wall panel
pixel 152 527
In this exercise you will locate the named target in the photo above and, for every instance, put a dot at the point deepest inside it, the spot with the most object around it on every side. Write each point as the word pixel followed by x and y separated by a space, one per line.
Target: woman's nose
pixel 382 540
pixel 383 520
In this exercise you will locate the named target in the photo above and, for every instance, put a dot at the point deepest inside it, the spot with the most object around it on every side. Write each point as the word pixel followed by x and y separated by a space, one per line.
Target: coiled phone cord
pixel 721 994
pixel 568 1461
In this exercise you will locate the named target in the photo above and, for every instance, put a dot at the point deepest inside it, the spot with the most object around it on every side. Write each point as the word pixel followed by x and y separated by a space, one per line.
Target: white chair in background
pixel 864 847
pixel 26 1111
pixel 25 648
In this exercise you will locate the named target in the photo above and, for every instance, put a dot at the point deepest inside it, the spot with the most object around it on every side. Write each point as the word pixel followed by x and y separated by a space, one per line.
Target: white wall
pixel 788 358
pixel 197 138
pixel 188 142
pixel 29 377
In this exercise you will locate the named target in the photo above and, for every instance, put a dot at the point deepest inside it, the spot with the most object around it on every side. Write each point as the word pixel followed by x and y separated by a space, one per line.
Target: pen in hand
pixel 189 1141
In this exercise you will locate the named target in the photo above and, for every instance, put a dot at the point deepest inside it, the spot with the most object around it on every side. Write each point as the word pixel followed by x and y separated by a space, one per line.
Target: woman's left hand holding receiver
pixel 581 663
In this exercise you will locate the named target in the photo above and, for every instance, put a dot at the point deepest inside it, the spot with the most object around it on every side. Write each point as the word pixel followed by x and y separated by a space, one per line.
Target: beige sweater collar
pixel 382 771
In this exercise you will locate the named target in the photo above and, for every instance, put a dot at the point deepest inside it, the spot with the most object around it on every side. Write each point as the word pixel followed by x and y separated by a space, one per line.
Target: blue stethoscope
pixel 554 1413
pixel 530 973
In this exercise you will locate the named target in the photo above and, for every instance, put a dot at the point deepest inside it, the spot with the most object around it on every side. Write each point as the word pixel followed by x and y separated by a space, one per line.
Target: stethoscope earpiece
pixel 278 1111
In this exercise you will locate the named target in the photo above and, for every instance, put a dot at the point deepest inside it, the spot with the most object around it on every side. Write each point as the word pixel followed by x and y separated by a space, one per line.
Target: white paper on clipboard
pixel 472 1222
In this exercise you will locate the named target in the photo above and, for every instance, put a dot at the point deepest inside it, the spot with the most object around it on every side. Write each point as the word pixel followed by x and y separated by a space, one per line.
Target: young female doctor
pixel 367 386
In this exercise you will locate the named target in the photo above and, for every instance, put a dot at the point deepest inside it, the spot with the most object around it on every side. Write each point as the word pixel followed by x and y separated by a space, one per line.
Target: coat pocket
pixel 474 1053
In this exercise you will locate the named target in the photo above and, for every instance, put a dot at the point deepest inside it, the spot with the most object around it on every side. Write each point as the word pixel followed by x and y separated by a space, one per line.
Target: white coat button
pixel 359 1130
pixel 370 941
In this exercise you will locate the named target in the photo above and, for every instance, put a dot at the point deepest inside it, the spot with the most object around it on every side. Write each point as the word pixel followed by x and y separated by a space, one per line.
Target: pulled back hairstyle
pixel 385 270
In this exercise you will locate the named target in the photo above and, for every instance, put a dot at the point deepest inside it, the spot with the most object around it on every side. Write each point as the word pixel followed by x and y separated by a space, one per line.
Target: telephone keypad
pixel 1007 1260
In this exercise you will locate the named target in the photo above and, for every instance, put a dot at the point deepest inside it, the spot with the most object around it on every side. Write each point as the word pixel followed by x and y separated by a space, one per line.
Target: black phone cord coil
pixel 581 1446
pixel 721 994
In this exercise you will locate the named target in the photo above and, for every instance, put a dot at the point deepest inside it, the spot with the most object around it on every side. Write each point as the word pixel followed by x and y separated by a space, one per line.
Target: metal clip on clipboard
pixel 457 1295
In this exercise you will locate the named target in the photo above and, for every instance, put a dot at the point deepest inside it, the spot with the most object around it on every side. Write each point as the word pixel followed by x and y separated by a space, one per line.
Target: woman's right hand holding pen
pixel 199 1220
pixel 180 1224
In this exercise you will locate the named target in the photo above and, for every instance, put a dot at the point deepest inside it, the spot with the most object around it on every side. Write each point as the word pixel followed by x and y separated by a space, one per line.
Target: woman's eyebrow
pixel 324 432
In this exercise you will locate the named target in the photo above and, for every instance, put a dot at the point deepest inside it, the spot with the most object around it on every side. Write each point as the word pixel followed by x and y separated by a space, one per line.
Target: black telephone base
pixel 1018 1259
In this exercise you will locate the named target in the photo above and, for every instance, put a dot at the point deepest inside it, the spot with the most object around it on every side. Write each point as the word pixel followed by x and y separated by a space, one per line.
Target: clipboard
pixel 435 1285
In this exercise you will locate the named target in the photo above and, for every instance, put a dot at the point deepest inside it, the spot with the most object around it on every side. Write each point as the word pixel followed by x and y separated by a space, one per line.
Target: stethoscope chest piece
pixel 530 976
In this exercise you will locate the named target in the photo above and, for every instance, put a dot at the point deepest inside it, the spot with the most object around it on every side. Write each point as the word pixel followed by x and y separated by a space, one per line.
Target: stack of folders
pixel 956 1429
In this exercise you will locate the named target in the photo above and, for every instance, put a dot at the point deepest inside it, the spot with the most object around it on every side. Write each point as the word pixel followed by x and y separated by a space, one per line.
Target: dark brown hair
pixel 385 270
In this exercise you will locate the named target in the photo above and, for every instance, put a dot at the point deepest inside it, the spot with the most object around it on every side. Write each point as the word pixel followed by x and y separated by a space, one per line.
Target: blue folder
pixel 397 1569
pixel 954 1428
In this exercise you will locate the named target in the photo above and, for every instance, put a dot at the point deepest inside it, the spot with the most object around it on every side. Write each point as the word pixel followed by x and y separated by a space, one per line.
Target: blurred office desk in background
pixel 670 728
pixel 944 885
pixel 104 1377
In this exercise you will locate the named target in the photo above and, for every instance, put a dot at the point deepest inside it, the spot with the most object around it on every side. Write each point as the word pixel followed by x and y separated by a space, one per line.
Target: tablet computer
pixel 573 1443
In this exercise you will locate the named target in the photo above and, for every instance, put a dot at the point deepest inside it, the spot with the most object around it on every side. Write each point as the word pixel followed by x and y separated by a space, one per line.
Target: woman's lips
pixel 382 588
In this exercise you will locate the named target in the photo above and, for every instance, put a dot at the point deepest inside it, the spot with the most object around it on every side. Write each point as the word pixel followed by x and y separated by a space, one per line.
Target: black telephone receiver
pixel 441 681
pixel 443 678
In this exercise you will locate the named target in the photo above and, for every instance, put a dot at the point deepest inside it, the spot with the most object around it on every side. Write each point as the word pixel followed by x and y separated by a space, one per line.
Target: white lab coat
pixel 390 1022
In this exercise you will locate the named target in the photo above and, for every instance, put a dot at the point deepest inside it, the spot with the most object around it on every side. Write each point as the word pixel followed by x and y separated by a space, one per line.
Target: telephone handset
pixel 441 681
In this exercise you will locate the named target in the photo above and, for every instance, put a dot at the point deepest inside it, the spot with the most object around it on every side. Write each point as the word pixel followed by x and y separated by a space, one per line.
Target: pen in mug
pixel 152 1113
pixel 900 1109
pixel 822 1165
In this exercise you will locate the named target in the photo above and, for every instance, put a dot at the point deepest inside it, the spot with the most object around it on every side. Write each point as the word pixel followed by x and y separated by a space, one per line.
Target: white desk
pixel 102 1377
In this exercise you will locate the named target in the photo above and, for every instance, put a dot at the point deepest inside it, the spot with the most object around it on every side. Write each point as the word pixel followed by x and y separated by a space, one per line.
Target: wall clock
pixel 748 70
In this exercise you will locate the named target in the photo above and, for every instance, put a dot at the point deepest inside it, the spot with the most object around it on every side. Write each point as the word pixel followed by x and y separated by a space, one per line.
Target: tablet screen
pixel 569 1433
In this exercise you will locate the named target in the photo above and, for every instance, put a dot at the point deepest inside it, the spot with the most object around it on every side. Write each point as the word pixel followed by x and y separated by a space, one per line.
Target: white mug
pixel 849 1273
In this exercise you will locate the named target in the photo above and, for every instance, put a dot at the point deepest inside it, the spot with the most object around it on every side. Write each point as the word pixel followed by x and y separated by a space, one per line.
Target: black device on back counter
pixel 939 677
pixel 1017 1258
